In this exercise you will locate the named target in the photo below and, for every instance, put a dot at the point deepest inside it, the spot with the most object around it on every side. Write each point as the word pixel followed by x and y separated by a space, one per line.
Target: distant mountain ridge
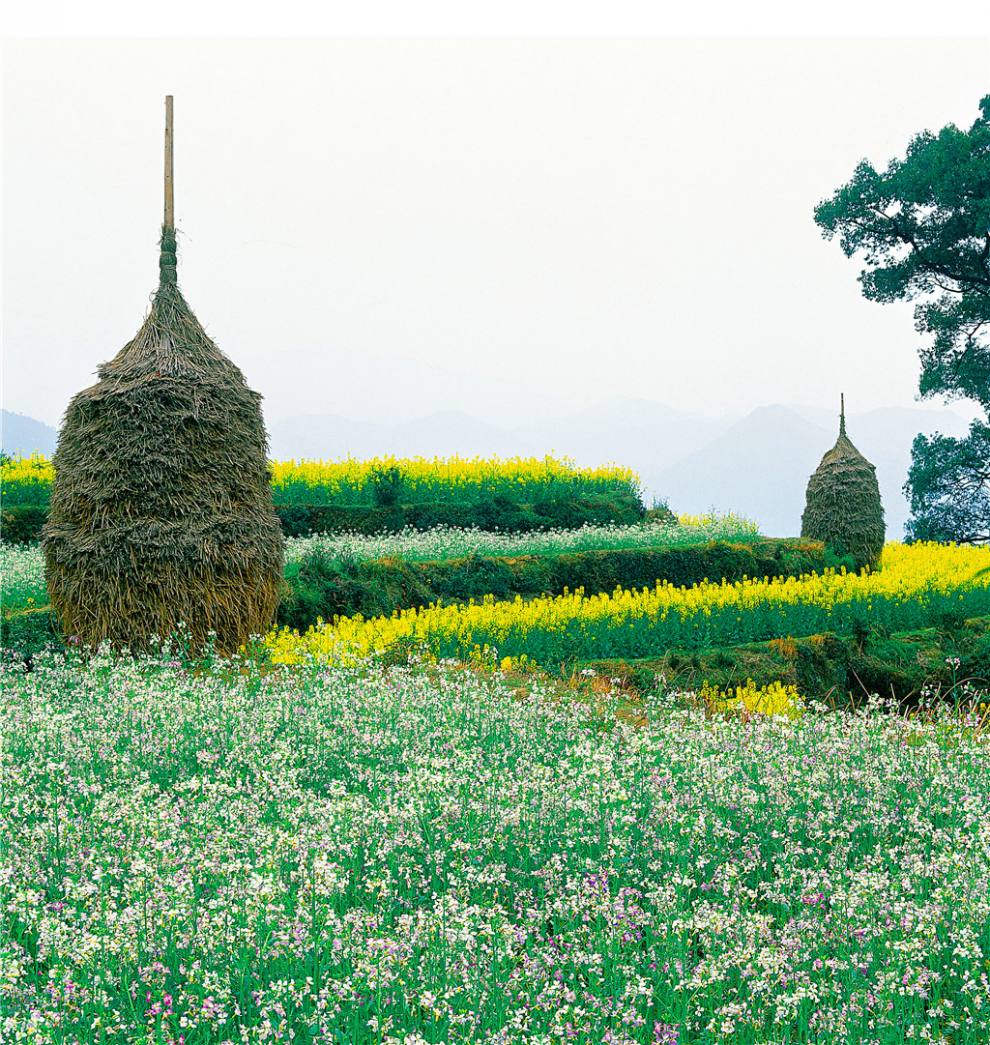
pixel 757 465
pixel 644 435
pixel 21 435
pixel 760 466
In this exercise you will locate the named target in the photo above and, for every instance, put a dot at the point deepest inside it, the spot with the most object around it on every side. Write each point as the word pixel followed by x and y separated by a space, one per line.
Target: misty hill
pixel 757 465
pixel 636 432
pixel 22 435
pixel 643 435
pixel 438 435
pixel 760 465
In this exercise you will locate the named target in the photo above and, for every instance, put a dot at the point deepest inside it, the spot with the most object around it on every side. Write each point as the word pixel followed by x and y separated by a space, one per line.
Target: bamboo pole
pixel 169 200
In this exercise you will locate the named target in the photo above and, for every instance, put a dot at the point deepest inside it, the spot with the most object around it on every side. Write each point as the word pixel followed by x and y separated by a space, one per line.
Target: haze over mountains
pixel 760 465
pixel 22 435
pixel 757 465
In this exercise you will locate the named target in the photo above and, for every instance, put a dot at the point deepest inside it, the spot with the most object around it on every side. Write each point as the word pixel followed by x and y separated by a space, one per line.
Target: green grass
pixel 418 856
pixel 22 577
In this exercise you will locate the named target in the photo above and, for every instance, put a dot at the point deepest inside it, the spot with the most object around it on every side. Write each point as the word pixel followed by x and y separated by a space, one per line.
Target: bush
pixel 24 522
pixel 324 586
pixel 21 523
pixel 27 632
pixel 498 513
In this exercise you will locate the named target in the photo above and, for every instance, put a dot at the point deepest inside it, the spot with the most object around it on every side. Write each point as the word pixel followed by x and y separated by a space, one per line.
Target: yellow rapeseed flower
pixel 648 621
pixel 34 469
pixel 351 480
pixel 440 477
pixel 773 699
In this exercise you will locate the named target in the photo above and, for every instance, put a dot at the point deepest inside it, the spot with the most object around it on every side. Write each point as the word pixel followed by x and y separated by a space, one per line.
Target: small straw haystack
pixel 161 509
pixel 843 506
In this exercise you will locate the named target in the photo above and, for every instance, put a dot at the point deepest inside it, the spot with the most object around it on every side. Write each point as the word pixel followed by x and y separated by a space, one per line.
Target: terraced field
pixel 556 785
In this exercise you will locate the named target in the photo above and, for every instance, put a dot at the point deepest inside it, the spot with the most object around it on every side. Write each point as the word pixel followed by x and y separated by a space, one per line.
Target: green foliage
pixel 949 486
pixel 837 669
pixel 499 514
pixel 29 631
pixel 388 487
pixel 21 523
pixel 26 492
pixel 25 522
pixel 842 506
pixel 660 511
pixel 922 230
pixel 323 586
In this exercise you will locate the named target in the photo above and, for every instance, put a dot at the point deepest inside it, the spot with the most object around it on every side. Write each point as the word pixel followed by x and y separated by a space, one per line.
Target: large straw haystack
pixel 161 509
pixel 843 506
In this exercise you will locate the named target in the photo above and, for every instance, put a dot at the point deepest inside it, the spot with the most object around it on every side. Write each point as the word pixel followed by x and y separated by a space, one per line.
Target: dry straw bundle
pixel 161 508
pixel 843 506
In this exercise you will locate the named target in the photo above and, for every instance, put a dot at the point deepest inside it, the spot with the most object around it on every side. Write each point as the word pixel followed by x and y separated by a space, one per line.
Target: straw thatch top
pixel 170 344
pixel 844 452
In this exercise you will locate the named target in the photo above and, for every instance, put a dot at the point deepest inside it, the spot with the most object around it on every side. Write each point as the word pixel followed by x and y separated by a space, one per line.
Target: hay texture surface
pixel 843 506
pixel 161 508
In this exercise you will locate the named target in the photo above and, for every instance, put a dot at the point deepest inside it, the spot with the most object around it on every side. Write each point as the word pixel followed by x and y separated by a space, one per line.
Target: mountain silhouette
pixel 22 435
pixel 757 465
pixel 760 466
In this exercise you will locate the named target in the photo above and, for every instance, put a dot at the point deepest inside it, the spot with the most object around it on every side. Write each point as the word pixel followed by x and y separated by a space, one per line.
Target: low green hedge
pixel 319 585
pixel 496 514
pixel 20 523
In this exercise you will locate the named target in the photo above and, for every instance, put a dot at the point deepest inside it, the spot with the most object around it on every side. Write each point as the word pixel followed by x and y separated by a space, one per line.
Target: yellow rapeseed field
pixel 34 469
pixel 452 471
pixel 413 479
pixel 915 583
pixel 445 478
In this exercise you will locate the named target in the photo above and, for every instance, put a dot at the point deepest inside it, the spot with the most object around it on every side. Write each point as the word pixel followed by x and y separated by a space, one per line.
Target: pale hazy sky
pixel 387 228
